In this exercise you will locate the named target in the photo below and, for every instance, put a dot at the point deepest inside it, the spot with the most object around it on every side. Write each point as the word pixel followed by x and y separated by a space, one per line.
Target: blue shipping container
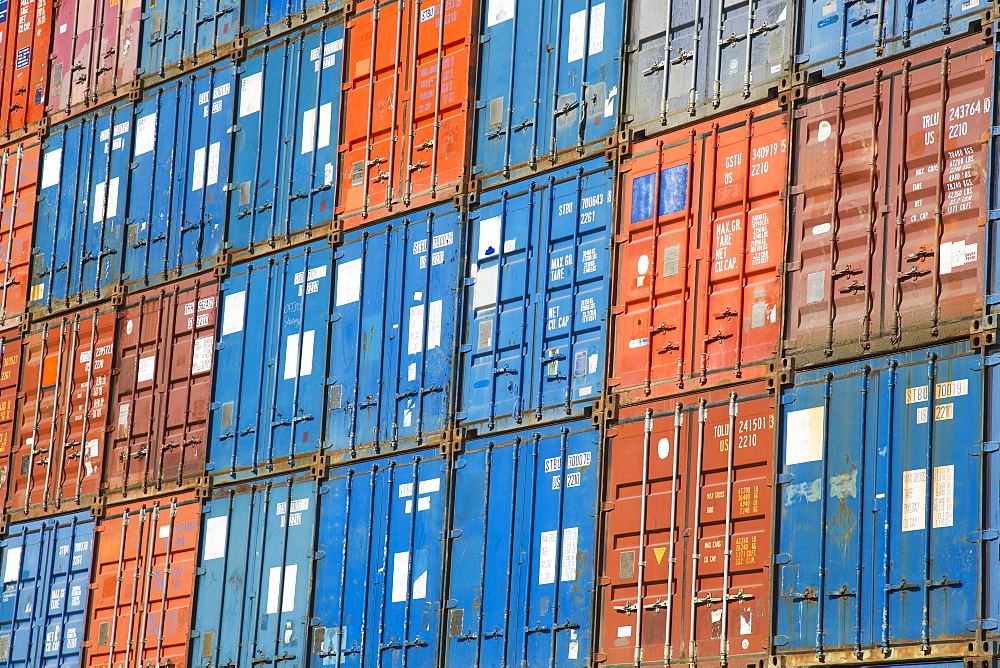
pixel 694 60
pixel 537 306
pixel 268 393
pixel 392 347
pixel 179 34
pixel 253 591
pixel 264 18
pixel 378 584
pixel 46 568
pixel 884 510
pixel 177 190
pixel 838 35
pixel 285 140
pixel 79 230
pixel 549 84
pixel 522 585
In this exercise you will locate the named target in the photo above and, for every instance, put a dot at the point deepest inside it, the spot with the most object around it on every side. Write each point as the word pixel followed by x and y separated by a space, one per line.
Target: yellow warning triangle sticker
pixel 659 551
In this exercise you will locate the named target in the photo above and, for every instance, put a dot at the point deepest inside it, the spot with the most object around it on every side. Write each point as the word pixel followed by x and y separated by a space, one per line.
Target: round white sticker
pixel 663 448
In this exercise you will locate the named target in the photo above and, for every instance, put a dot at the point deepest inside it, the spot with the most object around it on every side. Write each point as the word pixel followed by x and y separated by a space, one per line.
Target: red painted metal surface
pixel 55 463
pixel 140 608
pixel 412 147
pixel 163 388
pixel 888 206
pixel 687 539
pixel 25 33
pixel 19 170
pixel 698 296
pixel 10 378
pixel 95 52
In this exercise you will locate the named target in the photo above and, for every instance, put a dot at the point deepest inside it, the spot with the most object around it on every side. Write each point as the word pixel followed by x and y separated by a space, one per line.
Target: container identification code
pixel 947 390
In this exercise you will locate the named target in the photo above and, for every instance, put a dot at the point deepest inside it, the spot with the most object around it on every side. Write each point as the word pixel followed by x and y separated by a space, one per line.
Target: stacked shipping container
pixel 453 333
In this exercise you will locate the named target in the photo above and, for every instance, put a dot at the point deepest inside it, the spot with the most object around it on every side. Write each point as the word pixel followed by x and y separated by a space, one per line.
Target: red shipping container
pixel 19 168
pixel 56 461
pixel 10 378
pixel 163 388
pixel 888 206
pixel 406 130
pixel 140 608
pixel 25 33
pixel 687 531
pixel 699 290
pixel 95 53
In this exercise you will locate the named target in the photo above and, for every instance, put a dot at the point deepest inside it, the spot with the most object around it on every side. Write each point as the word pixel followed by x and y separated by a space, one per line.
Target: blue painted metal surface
pixel 79 230
pixel 537 306
pixel 288 125
pixel 881 502
pixel 837 35
pixel 396 318
pixel 45 568
pixel 271 350
pixel 176 34
pixel 522 572
pixel 253 592
pixel 378 586
pixel 177 197
pixel 549 84
pixel 693 60
pixel 265 17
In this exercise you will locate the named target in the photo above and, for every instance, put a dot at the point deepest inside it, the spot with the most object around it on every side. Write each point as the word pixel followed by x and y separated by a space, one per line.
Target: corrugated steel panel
pixel 393 335
pixel 537 306
pixel 522 566
pixel 256 574
pixel 10 381
pixel 94 54
pixel 57 460
pixel 285 151
pixel 549 84
pixel 837 35
pixel 886 247
pixel 178 35
pixel 687 540
pixel 410 145
pixel 165 344
pixel 143 584
pixel 19 168
pixel 263 18
pixel 181 146
pixel 379 585
pixel 268 398
pixel 884 507
pixel 25 41
pixel 46 566
pixel 698 291
pixel 693 62
pixel 79 229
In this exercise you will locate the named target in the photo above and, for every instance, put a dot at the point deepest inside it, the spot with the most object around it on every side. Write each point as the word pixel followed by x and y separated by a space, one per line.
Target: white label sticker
pixel 145 134
pixel 577 24
pixel 12 567
pixel 423 503
pixel 596 29
pixel 286 592
pixel 824 131
pixel 405 489
pixel 499 11
pixel 914 493
pixel 308 130
pixel 147 367
pixel 746 623
pixel 429 486
pixel 164 532
pixel 804 436
pixel 822 228
pixel 420 586
pixel 941 412
pixel 288 595
pixel 106 200
pixel 547 557
pixel 51 168
pixel 198 170
pixel 415 340
pixel 624 631
pixel 489 237
pixel 569 555
pixel 299 358
pixel 434 325
pixel 349 282
pixel 325 125
pixel 213 164
pixel 215 537
pixel 123 412
pixel 201 357
pixel 484 292
pixel 944 496
pixel 251 94
pixel 400 576
pixel 233 311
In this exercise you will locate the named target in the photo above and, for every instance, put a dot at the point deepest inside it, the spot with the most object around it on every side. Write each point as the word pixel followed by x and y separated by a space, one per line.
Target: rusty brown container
pixel 143 583
pixel 687 530
pixel 19 169
pixel 10 378
pixel 163 388
pixel 55 462
pixel 887 206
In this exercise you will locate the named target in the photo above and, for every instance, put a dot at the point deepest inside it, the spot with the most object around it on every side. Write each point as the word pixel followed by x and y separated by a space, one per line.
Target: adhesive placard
pixel 804 436
pixel 400 576
pixel 420 586
pixel 325 125
pixel 489 237
pixel 569 555
pixel 201 356
pixel 145 134
pixel 215 537
pixel 577 24
pixel 434 325
pixel 348 282
pixel 499 11
pixel 308 130
pixel 915 498
pixel 198 170
pixel 251 94
pixel 415 340
pixel 147 368
pixel 233 312
pixel 213 164
pixel 484 293
pixel 51 168
pixel 299 357
pixel 596 29
pixel 12 565
pixel 547 557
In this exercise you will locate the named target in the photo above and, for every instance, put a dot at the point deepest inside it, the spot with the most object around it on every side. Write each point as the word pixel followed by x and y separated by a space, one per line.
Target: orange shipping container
pixel 25 33
pixel 163 389
pixel 10 377
pixel 406 123
pixel 140 609
pixel 700 247
pixel 19 168
pixel 55 463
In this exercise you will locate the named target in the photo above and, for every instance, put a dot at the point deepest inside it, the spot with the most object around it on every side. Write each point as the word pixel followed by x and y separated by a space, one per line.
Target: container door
pixel 25 38
pixel 19 169
pixel 175 37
